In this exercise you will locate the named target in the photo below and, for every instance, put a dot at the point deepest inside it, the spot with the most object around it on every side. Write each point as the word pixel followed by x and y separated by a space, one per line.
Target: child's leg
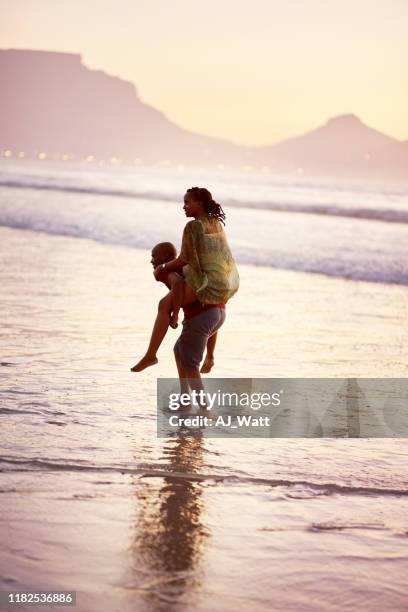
pixel 209 357
pixel 161 326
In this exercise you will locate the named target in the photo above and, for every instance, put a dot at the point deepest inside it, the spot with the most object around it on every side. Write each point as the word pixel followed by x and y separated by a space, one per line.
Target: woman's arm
pixel 170 266
pixel 175 264
pixel 187 252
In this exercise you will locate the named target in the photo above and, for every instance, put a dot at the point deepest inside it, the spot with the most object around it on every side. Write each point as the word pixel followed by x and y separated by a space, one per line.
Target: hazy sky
pixel 252 71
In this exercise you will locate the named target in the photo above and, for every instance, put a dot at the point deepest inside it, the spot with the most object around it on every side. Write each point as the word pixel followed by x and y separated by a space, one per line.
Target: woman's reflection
pixel 169 532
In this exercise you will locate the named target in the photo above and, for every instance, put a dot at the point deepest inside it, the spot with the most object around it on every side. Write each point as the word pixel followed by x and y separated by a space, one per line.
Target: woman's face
pixel 192 207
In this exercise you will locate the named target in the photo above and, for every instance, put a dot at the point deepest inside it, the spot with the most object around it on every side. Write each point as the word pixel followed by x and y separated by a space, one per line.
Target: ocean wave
pixel 387 266
pixel 13 464
pixel 389 215
pixel 337 237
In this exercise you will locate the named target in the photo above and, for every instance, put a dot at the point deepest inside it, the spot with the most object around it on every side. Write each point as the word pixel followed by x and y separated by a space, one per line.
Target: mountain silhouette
pixel 52 103
pixel 344 145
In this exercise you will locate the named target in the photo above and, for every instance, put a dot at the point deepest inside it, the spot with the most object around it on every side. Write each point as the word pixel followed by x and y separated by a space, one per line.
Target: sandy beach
pixel 92 501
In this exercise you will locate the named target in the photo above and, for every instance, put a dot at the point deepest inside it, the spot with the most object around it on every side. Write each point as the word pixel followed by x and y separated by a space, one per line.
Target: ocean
pixel 349 231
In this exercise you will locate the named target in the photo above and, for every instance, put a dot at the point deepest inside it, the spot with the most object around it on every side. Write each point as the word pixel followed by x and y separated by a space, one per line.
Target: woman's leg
pixel 184 386
pixel 161 326
pixel 209 357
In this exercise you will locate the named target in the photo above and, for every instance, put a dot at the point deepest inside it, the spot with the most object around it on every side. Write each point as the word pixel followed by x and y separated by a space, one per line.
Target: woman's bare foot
pixel 174 320
pixel 207 365
pixel 145 362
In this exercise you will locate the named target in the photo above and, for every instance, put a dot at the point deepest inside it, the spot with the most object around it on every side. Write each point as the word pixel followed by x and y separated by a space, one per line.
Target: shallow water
pixel 90 498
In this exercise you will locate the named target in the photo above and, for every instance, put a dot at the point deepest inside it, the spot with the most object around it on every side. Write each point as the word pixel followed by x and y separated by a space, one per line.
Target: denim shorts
pixel 191 344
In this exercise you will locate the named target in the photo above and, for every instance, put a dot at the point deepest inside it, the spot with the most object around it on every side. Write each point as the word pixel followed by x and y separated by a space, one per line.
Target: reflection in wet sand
pixel 169 533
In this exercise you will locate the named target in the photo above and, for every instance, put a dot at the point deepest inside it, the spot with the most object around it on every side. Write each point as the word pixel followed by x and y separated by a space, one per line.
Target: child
pixel 161 254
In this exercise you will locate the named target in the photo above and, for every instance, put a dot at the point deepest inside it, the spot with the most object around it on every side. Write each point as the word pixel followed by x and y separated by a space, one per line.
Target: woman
pixel 206 263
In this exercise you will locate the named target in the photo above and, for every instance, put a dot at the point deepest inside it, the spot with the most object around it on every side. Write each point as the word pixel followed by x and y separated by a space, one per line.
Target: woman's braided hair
pixel 211 207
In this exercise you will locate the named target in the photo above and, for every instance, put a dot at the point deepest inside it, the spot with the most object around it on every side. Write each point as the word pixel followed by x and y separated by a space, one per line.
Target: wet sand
pixel 91 500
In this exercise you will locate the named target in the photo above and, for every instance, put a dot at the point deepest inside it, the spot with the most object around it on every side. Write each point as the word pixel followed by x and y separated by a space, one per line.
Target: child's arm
pixel 177 291
pixel 167 278
pixel 174 278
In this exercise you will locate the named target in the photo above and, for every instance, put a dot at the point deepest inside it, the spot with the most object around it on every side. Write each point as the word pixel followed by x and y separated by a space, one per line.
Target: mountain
pixel 343 146
pixel 52 103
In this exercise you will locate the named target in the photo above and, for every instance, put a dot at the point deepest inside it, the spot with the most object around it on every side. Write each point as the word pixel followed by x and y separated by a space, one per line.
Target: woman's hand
pixel 170 266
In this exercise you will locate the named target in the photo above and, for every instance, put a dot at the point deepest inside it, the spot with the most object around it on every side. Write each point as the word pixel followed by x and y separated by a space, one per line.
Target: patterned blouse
pixel 210 268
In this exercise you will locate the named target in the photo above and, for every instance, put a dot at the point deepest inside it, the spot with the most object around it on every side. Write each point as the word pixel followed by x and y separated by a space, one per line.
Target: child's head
pixel 162 253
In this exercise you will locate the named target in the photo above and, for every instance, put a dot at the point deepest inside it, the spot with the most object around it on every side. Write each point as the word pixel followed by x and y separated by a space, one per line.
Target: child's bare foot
pixel 174 320
pixel 145 362
pixel 207 365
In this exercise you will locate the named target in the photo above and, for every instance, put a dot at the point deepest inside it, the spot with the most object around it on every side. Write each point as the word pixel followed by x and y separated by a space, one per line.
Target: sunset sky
pixel 251 71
